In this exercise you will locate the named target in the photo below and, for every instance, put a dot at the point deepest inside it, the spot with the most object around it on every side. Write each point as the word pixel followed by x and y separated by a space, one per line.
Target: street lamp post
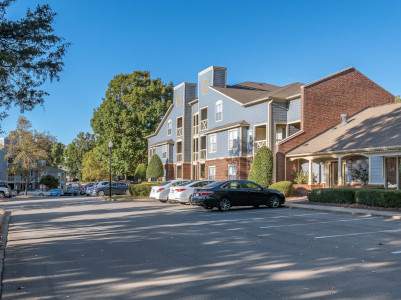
pixel 110 147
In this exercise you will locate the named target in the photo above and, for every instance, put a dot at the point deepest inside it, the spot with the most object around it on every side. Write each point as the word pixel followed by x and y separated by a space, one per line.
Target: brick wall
pixel 243 166
pixel 322 103
pixel 170 168
pixel 186 171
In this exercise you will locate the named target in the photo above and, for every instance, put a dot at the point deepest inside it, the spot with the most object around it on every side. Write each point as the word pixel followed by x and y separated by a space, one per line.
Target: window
pixel 231 185
pixel 250 185
pixel 219 111
pixel 232 172
pixel 169 127
pixel 212 143
pixel 212 173
pixel 281 132
pixel 233 139
pixel 164 151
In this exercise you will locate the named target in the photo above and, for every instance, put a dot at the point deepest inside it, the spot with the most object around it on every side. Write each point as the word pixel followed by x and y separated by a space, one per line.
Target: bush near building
pixel 140 172
pixel 141 189
pixel 332 196
pixel 262 167
pixel 380 198
pixel 283 186
pixel 369 197
pixel 155 168
pixel 49 181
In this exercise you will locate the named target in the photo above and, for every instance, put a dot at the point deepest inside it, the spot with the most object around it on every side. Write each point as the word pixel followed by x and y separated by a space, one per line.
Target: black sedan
pixel 225 194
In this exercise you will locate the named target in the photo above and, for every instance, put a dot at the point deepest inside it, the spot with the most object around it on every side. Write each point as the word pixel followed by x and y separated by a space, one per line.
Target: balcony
pixel 179 157
pixel 203 125
pixel 202 154
pixel 195 130
pixel 179 132
pixel 260 144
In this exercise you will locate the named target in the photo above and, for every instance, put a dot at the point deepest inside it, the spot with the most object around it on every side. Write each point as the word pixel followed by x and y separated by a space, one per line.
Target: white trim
pixel 161 122
pixel 206 70
pixel 254 136
pixel 169 122
pixel 208 172
pixel 293 122
pixel 179 85
pixel 228 138
pixel 228 171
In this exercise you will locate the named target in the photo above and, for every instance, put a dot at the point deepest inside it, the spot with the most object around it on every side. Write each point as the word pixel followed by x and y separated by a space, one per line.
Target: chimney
pixel 343 119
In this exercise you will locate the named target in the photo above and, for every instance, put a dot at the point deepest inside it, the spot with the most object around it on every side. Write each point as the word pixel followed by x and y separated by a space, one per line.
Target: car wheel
pixel 101 193
pixel 274 202
pixel 224 204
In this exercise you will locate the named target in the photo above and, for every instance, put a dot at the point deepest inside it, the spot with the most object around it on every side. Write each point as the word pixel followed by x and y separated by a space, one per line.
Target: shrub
pixel 332 196
pixel 262 167
pixel 49 181
pixel 380 198
pixel 301 177
pixel 141 189
pixel 155 168
pixel 140 172
pixel 283 186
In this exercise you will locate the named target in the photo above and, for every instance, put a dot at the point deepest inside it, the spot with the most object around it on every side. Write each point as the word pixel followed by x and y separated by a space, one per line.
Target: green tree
pixel 262 167
pixel 92 167
pixel 398 99
pixel 30 55
pixel 132 108
pixel 140 172
pixel 49 181
pixel 75 151
pixel 155 168
pixel 57 154
pixel 22 148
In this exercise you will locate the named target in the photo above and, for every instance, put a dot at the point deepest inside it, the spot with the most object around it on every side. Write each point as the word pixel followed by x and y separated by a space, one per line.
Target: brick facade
pixel 186 171
pixel 322 103
pixel 243 166
pixel 170 171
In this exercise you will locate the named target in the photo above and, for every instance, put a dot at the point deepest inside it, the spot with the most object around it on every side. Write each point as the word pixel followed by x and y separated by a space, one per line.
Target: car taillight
pixel 160 190
pixel 179 190
pixel 205 193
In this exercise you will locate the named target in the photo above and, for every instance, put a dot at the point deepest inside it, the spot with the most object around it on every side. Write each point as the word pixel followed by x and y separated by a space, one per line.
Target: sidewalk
pixel 294 203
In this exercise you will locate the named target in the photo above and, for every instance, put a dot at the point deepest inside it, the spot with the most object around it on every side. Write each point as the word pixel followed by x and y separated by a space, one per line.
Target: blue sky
pixel 271 41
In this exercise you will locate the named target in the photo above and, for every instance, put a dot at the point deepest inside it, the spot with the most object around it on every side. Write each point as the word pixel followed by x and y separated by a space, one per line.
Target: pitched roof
pixel 375 128
pixel 169 141
pixel 257 85
pixel 242 123
pixel 246 95
pixel 161 122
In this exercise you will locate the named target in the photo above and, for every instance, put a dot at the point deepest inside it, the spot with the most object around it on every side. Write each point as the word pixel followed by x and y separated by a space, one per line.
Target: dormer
pixel 211 76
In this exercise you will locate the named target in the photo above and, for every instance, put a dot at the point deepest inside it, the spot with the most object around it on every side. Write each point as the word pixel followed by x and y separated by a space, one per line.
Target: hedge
pixel 332 196
pixel 262 167
pixel 283 186
pixel 380 198
pixel 141 189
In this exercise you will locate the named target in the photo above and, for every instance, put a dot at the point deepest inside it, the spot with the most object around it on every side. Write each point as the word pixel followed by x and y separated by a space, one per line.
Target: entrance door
pixel 333 173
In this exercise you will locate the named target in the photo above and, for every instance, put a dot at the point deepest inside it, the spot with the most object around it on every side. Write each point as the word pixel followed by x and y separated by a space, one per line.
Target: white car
pixel 160 192
pixel 182 193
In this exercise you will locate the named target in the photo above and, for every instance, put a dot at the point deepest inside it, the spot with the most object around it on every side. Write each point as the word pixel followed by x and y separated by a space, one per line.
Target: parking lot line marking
pixel 396 252
pixel 299 215
pixel 357 233
pixel 313 223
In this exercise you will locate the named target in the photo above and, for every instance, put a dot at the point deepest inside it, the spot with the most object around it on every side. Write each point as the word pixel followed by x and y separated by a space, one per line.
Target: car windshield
pixel 183 183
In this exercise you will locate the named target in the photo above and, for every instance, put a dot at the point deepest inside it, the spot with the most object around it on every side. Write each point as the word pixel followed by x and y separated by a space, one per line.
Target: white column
pixel 310 175
pixel 397 168
pixel 340 171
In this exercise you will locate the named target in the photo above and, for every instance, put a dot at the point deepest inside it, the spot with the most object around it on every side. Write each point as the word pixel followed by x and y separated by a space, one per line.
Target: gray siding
pixel 219 77
pixel 222 146
pixel 294 110
pixel 376 175
pixel 279 112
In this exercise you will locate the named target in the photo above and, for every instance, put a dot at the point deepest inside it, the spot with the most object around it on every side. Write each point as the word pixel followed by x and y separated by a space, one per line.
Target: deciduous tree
pixel 92 167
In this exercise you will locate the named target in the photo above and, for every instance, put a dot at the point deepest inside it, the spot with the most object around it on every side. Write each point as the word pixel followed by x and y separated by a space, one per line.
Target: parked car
pixel 182 193
pixel 35 193
pixel 4 190
pixel 102 188
pixel 72 191
pixel 227 194
pixel 160 192
pixel 55 192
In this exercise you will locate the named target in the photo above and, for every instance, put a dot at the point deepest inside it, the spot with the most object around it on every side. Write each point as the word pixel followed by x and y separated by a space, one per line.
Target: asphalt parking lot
pixel 80 248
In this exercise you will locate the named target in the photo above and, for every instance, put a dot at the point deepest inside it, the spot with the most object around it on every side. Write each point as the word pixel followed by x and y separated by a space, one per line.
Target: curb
pixel 3 243
pixel 354 211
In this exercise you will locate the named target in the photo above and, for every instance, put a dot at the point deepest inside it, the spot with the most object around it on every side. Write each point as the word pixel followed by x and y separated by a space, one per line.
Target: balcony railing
pixel 179 157
pixel 260 144
pixel 195 129
pixel 195 156
pixel 203 125
pixel 202 154
pixel 179 132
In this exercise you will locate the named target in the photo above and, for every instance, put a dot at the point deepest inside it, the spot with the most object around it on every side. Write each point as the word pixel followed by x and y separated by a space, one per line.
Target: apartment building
pixel 213 129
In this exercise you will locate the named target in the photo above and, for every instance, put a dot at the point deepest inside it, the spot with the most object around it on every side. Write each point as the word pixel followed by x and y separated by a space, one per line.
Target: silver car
pixel 182 193
pixel 160 192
